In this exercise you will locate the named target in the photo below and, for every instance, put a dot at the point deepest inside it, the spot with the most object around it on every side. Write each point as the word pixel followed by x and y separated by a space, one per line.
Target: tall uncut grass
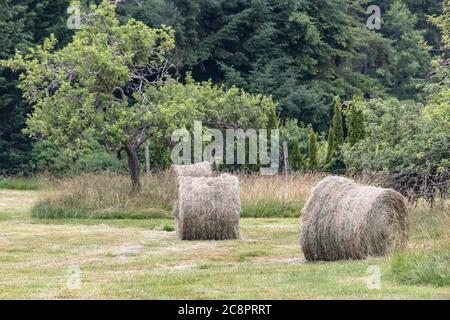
pixel 422 266
pixel 106 195
pixel 426 261
pixel 109 195
pixel 275 196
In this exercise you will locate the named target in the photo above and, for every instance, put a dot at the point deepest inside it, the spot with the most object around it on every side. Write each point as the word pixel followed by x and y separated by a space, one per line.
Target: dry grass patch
pixel 109 195
pixel 106 196
pixel 275 196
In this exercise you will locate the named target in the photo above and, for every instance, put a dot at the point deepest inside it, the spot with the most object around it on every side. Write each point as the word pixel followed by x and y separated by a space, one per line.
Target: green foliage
pixel 442 23
pixel 296 161
pixel 411 59
pixel 355 122
pixel 408 143
pixel 84 96
pixel 301 52
pixel 296 135
pixel 22 23
pixel 337 125
pixel 312 151
pixel 59 161
pixel 335 140
pixel 330 146
pixel 78 92
pixel 14 147
pixel 179 105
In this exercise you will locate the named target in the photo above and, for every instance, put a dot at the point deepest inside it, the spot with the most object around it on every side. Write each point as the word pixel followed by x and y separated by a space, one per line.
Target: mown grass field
pixel 141 259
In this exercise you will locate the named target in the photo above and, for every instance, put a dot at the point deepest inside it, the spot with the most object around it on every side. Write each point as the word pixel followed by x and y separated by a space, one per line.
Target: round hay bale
pixel 346 220
pixel 202 169
pixel 208 208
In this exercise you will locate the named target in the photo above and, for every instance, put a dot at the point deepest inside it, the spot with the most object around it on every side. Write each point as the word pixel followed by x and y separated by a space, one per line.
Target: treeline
pixel 338 86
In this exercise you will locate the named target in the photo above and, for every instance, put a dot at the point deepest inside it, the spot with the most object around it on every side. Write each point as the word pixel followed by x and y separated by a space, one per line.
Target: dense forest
pixel 348 98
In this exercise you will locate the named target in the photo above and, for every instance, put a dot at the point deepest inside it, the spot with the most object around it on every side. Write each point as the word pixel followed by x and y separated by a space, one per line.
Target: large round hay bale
pixel 201 169
pixel 208 208
pixel 346 220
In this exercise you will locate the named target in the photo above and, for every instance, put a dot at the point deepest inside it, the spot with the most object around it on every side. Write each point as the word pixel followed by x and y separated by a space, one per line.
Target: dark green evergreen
pixel 295 157
pixel 356 129
pixel 23 23
pixel 312 151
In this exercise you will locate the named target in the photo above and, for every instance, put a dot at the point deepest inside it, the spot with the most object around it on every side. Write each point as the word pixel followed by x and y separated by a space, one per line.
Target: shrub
pixel 405 146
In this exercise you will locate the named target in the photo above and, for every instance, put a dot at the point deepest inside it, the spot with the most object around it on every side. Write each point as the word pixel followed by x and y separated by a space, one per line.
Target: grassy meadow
pixel 123 246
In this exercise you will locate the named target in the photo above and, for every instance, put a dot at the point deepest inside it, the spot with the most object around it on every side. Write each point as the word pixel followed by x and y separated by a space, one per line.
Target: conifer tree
pixel 295 158
pixel 312 151
pixel 329 145
pixel 338 128
pixel 356 129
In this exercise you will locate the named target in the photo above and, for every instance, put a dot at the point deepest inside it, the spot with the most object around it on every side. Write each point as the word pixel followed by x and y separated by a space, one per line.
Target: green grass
pixel 142 259
pixel 422 267
pixel 168 228
pixel 271 208
pixel 426 261
pixel 19 183
pixel 45 209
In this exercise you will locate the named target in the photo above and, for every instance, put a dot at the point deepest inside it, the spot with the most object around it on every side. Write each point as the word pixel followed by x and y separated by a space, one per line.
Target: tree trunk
pixel 133 166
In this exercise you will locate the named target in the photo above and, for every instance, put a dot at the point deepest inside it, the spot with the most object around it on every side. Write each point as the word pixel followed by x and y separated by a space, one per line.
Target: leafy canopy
pixel 93 86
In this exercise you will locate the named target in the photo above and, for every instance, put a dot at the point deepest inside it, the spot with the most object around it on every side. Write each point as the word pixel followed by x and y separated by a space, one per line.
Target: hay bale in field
pixel 208 208
pixel 346 220
pixel 202 169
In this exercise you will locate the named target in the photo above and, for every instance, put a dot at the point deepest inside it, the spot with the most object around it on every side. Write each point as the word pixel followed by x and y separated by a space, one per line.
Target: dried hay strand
pixel 208 208
pixel 346 220
pixel 202 169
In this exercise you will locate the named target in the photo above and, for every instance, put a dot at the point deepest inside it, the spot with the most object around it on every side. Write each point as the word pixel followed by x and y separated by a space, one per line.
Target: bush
pixel 296 135
pixel 406 145
pixel 58 160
